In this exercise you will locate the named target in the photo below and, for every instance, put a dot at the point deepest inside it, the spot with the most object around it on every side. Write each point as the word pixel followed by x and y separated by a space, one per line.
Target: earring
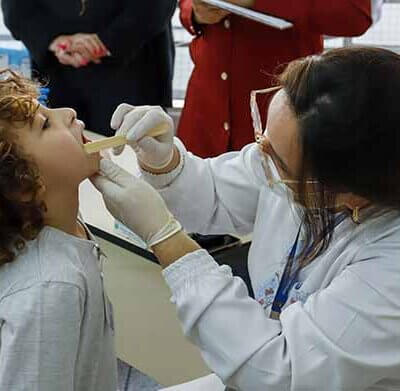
pixel 356 215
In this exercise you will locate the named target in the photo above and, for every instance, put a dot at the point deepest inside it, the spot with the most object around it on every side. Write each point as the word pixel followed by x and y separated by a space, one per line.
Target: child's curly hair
pixel 21 213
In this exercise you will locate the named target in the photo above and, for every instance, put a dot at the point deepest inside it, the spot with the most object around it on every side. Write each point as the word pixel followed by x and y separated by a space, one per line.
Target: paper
pixel 206 383
pixel 269 20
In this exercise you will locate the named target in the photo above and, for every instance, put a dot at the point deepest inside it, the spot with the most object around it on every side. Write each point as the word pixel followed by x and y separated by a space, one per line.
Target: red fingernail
pixel 62 46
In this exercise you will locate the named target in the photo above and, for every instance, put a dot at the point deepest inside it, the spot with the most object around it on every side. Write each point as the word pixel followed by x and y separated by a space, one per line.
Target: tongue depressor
pixel 116 141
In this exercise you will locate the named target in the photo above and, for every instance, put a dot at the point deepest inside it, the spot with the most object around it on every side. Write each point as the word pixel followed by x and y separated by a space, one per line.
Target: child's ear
pixel 19 196
pixel 42 188
pixel 27 195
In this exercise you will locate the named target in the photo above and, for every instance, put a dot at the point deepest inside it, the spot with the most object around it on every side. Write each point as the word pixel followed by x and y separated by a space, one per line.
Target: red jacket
pixel 237 55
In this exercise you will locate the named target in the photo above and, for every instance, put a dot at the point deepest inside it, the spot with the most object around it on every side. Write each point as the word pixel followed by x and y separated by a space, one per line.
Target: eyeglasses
pixel 261 140
pixel 259 136
pixel 255 112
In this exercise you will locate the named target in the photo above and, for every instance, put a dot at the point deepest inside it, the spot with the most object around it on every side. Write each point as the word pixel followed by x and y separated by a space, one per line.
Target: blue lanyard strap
pixel 289 278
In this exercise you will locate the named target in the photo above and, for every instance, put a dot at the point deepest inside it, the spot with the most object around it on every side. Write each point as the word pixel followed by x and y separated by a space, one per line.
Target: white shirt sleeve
pixel 344 337
pixel 214 196
pixel 40 336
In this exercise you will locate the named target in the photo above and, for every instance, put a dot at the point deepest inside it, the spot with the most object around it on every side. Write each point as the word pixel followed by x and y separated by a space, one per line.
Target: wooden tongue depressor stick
pixel 116 141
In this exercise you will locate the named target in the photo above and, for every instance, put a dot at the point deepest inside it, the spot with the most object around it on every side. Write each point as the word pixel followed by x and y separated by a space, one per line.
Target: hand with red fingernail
pixel 89 45
pixel 62 46
pixel 62 42
pixel 78 50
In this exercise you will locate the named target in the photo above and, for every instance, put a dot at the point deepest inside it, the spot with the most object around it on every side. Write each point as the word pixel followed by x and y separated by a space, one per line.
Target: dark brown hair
pixel 21 213
pixel 347 105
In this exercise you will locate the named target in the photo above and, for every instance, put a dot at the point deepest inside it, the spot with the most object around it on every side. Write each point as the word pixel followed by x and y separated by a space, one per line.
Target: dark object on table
pixel 215 243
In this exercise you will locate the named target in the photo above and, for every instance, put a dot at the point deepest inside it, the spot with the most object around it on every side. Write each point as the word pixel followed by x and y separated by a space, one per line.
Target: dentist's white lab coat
pixel 340 329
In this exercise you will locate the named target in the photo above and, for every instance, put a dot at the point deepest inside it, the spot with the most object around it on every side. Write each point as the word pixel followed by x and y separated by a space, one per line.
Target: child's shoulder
pixel 53 257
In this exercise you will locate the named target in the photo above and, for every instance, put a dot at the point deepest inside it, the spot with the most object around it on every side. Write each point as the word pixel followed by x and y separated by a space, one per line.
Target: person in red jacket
pixel 233 55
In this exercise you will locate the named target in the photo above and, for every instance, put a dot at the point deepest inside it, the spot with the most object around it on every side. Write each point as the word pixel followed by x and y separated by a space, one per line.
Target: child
pixel 56 325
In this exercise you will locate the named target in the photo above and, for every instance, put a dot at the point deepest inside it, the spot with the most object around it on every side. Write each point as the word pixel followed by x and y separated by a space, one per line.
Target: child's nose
pixel 70 115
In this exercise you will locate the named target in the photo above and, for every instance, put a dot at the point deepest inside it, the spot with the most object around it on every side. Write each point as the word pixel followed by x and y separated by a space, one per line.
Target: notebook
pixel 268 20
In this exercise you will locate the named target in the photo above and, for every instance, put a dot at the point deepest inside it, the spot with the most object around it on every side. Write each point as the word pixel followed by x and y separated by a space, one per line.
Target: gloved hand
pixel 135 123
pixel 135 203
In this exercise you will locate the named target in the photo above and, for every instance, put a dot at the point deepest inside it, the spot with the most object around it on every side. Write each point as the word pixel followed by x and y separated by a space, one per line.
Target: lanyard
pixel 289 278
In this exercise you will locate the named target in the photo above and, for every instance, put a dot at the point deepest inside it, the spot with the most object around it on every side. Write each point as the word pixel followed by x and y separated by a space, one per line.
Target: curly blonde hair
pixel 21 213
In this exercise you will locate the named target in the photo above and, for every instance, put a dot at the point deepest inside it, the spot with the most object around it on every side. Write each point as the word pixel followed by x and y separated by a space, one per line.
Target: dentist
pixel 320 192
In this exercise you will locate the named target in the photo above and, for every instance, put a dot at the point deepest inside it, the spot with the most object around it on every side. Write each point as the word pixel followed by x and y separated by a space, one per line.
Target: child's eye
pixel 46 124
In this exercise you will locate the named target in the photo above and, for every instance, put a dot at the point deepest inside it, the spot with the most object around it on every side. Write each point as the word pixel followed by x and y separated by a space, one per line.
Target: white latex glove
pixel 135 203
pixel 135 123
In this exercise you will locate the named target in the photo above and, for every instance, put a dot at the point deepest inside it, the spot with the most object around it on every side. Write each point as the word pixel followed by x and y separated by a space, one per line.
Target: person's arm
pixel 174 248
pixel 336 18
pixel 346 336
pixel 40 337
pixel 218 195
pixel 138 23
pixel 195 14
pixel 27 20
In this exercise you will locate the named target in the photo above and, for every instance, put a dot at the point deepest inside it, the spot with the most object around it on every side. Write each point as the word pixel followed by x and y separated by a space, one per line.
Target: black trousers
pixel 95 91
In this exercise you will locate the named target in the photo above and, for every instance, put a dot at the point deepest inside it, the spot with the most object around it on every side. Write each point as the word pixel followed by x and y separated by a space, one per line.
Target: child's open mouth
pixel 84 139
